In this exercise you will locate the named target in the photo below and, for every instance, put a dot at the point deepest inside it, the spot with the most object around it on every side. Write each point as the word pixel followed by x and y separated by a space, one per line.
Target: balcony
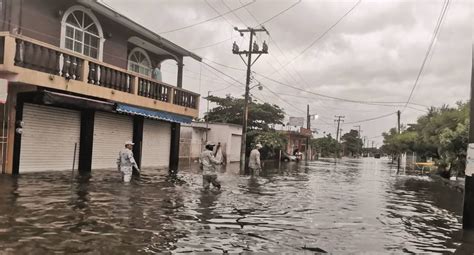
pixel 28 61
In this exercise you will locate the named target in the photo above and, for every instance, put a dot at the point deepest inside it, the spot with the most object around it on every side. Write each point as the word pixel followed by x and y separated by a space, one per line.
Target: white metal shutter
pixel 49 135
pixel 156 144
pixel 111 131
pixel 235 143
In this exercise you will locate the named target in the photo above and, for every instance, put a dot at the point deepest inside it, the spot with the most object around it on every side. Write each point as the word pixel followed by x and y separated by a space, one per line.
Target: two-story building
pixel 79 79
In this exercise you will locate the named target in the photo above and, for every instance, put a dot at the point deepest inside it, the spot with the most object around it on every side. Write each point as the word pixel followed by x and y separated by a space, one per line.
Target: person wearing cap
pixel 254 160
pixel 126 162
pixel 208 165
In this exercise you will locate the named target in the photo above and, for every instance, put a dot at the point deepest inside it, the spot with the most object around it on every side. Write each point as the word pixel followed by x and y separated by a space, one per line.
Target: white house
pixel 194 137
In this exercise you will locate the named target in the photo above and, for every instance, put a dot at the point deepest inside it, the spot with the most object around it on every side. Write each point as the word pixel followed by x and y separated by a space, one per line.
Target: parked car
pixel 287 157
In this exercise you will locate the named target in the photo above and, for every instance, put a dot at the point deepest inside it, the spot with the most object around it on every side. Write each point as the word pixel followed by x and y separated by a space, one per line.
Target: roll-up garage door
pixel 110 133
pixel 235 143
pixel 156 143
pixel 48 138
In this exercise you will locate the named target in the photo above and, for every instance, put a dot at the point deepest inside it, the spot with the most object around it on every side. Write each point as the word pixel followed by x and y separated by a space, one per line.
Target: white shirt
pixel 254 159
pixel 126 159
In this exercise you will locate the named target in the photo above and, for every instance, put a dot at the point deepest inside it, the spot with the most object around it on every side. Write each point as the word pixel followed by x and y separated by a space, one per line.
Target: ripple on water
pixel 349 207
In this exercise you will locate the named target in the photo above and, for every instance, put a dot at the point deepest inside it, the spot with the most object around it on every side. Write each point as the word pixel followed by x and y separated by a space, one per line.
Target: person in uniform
pixel 208 164
pixel 254 160
pixel 126 162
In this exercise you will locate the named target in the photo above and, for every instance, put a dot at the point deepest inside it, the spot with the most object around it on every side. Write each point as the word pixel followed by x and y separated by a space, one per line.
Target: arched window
pixel 139 62
pixel 81 32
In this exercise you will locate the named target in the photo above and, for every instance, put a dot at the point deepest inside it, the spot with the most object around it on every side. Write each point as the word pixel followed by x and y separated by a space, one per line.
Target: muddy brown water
pixel 354 206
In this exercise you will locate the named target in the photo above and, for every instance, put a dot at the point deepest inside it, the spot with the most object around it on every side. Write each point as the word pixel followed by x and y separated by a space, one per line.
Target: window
pixel 81 32
pixel 139 62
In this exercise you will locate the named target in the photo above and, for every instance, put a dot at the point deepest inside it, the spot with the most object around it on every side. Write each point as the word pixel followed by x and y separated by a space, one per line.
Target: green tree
pixel 442 134
pixel 453 144
pixel 352 143
pixel 230 110
pixel 271 140
pixel 327 146
pixel 261 119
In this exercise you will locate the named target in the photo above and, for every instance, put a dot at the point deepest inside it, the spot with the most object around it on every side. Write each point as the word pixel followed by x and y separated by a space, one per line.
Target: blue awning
pixel 153 114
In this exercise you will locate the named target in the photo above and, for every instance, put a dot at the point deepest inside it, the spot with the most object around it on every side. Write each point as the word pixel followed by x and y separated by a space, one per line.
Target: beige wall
pixel 223 133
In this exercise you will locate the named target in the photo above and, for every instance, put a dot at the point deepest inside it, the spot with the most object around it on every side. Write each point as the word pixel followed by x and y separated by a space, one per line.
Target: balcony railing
pixel 104 76
pixel 151 89
pixel 38 56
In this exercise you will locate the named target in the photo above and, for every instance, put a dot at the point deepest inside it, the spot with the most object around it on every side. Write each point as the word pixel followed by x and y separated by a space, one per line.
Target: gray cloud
pixel 374 54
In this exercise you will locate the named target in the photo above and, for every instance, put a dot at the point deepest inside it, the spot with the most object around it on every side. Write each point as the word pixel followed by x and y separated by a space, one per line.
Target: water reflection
pixel 349 206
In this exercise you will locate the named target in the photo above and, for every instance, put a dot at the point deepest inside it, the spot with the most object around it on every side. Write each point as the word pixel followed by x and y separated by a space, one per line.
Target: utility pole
pixel 373 144
pixel 359 127
pixel 468 212
pixel 399 132
pixel 368 149
pixel 308 126
pixel 338 131
pixel 207 116
pixel 363 145
pixel 253 49
pixel 338 120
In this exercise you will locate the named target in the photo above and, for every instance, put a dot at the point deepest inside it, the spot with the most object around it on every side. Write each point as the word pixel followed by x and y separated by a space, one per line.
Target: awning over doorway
pixel 57 99
pixel 153 114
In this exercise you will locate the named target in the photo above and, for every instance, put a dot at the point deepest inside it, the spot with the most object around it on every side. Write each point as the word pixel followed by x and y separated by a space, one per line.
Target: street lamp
pixel 259 86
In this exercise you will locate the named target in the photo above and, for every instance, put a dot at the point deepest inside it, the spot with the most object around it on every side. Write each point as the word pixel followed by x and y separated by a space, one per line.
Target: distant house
pixel 79 73
pixel 193 139
pixel 297 141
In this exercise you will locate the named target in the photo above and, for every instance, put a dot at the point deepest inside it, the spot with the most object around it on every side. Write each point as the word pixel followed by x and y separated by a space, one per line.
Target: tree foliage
pixel 230 110
pixel 261 118
pixel 352 143
pixel 327 146
pixel 442 134
pixel 271 140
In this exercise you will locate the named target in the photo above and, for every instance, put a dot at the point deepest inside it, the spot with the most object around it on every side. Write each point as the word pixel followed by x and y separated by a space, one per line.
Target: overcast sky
pixel 374 54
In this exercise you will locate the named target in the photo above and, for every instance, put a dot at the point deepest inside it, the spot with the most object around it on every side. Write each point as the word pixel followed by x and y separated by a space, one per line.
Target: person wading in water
pixel 208 165
pixel 126 162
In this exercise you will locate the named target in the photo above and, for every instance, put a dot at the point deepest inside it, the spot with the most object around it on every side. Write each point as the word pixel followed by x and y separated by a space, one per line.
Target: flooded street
pixel 358 205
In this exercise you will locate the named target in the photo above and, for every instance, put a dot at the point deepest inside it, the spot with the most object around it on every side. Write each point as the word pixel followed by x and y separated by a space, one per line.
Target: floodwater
pixel 354 206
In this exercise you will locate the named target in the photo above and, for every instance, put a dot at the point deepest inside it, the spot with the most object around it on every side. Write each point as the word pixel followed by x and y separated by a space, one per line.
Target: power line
pixel 319 94
pixel 212 44
pixel 278 47
pixel 247 10
pixel 373 137
pixel 325 32
pixel 281 12
pixel 223 16
pixel 374 103
pixel 283 100
pixel 227 6
pixel 219 71
pixel 223 65
pixel 432 42
pixel 371 119
pixel 205 21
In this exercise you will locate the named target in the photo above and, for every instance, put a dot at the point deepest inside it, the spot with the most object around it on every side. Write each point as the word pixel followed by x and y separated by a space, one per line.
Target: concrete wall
pixel 193 139
pixel 223 133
